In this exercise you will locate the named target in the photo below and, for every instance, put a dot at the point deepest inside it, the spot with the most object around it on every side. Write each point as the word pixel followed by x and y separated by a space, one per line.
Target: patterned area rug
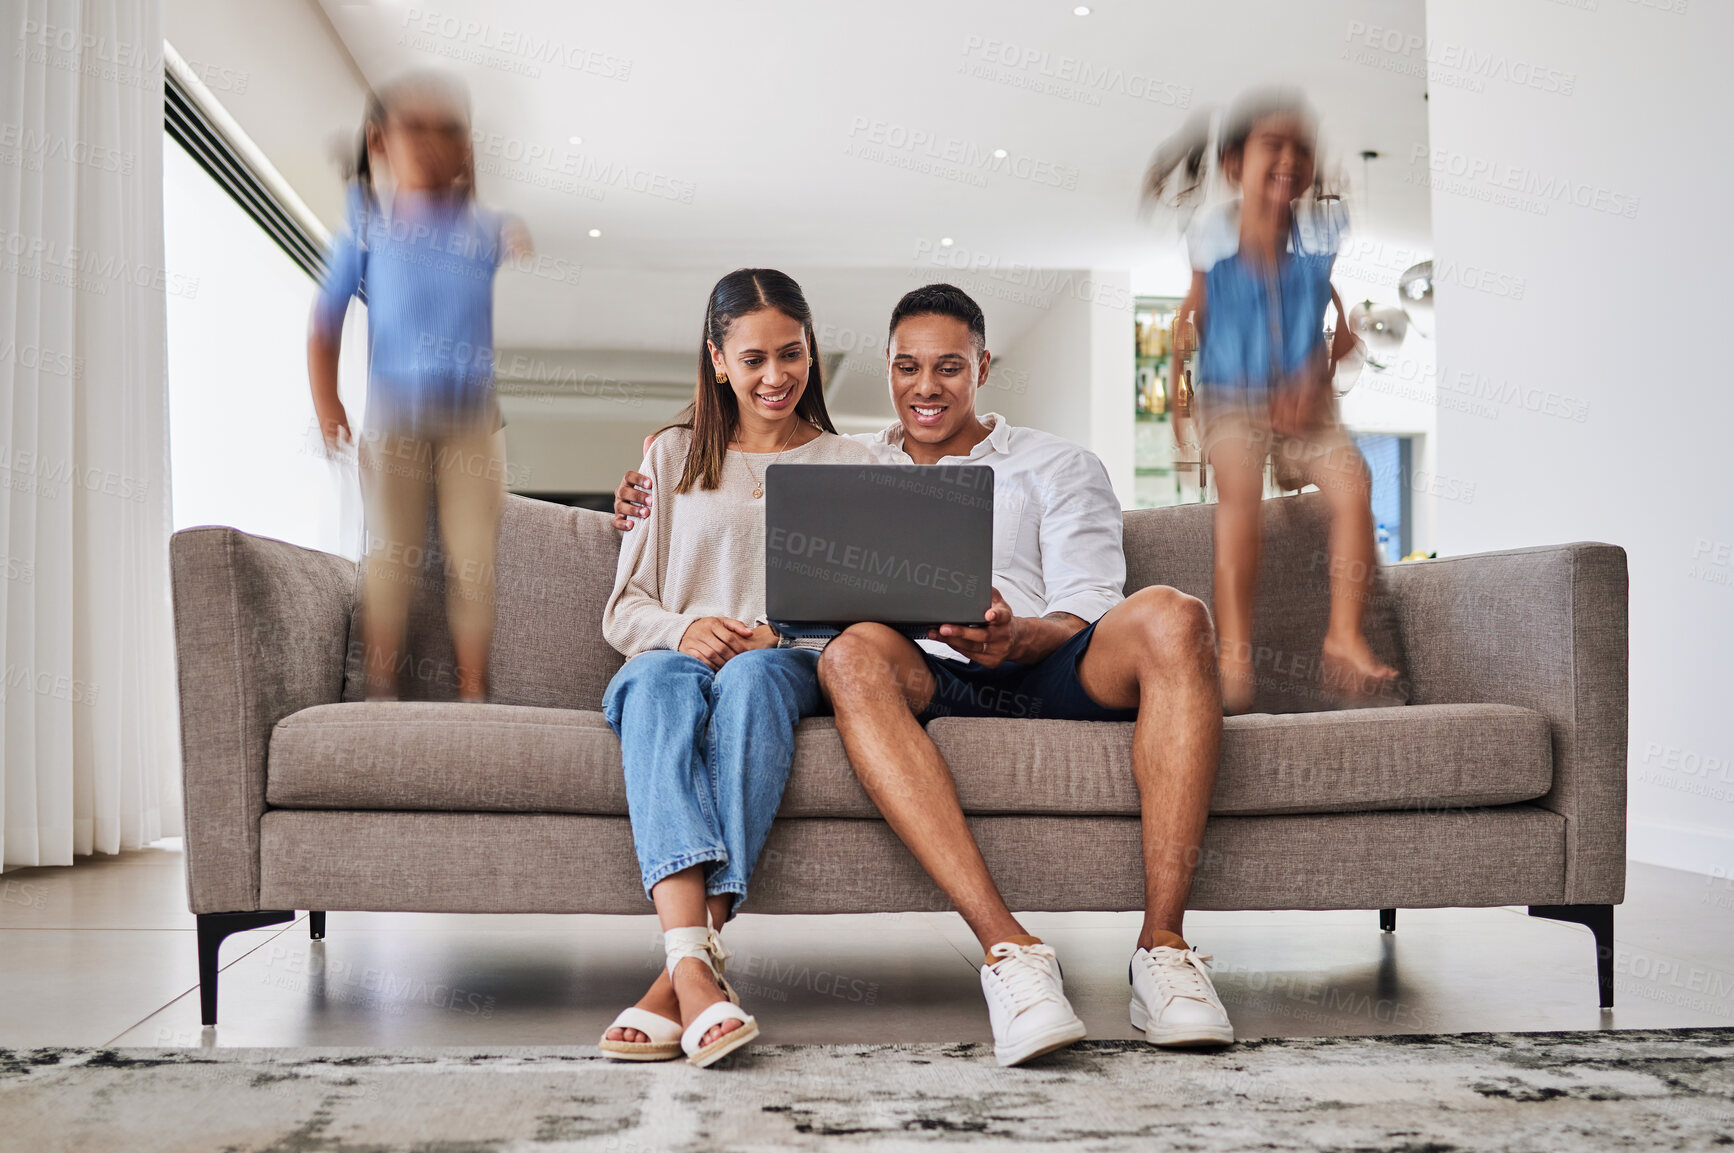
pixel 1535 1092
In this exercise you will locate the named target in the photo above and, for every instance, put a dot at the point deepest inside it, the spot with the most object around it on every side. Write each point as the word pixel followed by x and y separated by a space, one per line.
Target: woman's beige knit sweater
pixel 701 553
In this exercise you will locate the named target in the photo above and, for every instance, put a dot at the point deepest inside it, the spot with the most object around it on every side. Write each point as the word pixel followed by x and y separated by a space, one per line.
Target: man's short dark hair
pixel 942 300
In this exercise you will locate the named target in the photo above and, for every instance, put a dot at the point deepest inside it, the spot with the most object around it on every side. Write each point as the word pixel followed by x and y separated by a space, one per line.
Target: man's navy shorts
pixel 1048 689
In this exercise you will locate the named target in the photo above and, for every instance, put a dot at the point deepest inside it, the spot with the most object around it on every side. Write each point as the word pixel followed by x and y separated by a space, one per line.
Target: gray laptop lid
pixel 904 545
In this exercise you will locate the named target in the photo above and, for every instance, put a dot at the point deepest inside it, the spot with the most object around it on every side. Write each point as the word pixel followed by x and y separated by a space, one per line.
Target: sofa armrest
pixel 1543 628
pixel 261 630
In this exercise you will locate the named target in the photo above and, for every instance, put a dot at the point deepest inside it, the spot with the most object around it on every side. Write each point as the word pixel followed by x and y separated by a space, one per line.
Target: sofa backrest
pixel 555 570
pixel 553 574
pixel 1177 547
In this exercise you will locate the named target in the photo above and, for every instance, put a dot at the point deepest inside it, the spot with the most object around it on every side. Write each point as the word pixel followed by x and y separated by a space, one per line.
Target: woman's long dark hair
pixel 714 415
pixel 1178 171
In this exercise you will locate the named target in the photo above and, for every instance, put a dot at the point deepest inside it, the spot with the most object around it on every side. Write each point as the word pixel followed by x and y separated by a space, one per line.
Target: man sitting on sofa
pixel 1061 643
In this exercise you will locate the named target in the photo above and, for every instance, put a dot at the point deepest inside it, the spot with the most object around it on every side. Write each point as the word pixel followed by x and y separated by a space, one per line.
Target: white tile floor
pixel 103 953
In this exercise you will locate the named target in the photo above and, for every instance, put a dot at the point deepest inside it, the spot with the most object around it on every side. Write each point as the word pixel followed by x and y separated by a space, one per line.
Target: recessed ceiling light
pixel 574 141
pixel 945 242
pixel 595 232
pixel 999 154
pixel 1081 10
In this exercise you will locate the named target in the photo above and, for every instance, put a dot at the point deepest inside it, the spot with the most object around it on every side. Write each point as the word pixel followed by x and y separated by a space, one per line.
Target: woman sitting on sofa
pixel 707 702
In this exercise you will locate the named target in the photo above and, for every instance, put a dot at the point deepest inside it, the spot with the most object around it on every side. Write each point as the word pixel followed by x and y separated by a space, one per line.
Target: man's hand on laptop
pixel 714 640
pixel 632 502
pixel 1024 640
pixel 990 646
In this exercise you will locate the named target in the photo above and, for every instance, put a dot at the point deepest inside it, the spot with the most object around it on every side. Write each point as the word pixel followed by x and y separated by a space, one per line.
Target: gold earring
pixel 722 378
pixel 809 360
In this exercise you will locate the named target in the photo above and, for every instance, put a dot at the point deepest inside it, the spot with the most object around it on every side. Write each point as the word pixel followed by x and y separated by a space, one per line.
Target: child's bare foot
pixel 660 1000
pixel 1351 668
pixel 1238 682
pixel 698 991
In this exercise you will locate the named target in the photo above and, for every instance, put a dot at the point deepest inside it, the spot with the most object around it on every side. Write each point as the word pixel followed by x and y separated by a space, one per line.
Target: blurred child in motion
pixel 1261 283
pixel 424 253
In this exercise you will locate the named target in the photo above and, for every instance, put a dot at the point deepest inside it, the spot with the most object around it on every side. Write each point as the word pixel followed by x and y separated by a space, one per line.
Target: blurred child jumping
pixel 1261 283
pixel 424 253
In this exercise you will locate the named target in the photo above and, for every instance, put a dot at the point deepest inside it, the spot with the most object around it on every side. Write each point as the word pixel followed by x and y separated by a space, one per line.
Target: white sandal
pixel 664 1043
pixel 705 945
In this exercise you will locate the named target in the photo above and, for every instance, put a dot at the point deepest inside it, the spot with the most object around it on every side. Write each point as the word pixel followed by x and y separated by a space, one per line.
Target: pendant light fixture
pixel 1415 291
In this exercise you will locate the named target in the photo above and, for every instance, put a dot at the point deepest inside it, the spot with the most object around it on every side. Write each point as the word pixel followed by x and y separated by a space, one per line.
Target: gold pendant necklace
pixel 758 479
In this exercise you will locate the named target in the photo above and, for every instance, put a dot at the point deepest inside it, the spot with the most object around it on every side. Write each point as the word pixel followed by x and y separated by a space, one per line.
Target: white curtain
pixel 89 756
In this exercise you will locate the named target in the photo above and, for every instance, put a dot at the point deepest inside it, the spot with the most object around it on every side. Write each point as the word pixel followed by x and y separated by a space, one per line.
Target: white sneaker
pixel 1173 1000
pixel 1025 1004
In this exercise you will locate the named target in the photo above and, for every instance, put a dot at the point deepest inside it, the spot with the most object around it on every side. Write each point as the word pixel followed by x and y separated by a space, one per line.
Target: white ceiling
pixel 751 109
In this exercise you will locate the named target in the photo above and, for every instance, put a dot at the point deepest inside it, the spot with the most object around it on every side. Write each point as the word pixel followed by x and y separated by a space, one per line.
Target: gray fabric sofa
pixel 1496 776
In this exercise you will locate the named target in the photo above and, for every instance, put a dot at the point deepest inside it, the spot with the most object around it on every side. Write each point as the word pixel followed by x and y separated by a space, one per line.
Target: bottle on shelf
pixel 1183 343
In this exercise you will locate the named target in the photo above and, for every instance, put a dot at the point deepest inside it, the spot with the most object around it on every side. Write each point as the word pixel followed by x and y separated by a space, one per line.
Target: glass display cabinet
pixel 1166 471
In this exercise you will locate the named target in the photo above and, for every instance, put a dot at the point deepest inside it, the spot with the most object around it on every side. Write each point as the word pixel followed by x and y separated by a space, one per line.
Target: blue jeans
pixel 707 755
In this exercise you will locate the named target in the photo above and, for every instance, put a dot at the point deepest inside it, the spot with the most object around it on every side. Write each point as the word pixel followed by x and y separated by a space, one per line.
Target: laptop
pixel 909 546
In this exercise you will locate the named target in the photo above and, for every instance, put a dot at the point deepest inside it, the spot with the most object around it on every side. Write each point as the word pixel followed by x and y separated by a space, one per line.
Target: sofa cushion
pixel 445 756
pixel 1360 760
pixel 553 573
pixel 1177 547
pixel 503 758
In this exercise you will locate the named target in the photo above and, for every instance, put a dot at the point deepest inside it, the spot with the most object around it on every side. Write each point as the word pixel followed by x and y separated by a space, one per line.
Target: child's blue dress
pixel 1262 327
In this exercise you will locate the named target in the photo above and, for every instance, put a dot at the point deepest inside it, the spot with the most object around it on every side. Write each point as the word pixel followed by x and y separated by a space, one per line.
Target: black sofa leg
pixel 1388 920
pixel 1599 920
pixel 316 926
pixel 214 928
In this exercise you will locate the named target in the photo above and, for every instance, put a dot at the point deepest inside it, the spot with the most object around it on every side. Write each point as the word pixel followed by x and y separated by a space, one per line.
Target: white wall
pixel 577 445
pixel 1617 341
pixel 1112 372
pixel 1071 372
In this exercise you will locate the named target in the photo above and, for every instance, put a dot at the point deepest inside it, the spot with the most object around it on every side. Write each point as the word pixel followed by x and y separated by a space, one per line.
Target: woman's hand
pixel 764 637
pixel 714 640
pixel 631 500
